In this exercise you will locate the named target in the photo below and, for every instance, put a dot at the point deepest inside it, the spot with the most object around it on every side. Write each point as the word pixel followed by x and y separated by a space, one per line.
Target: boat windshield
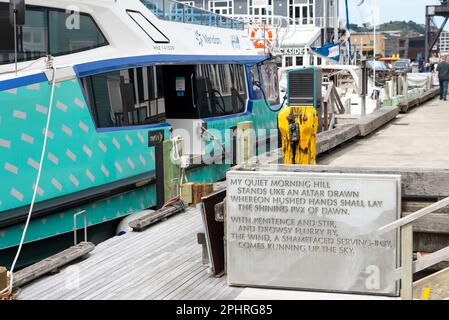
pixel 175 11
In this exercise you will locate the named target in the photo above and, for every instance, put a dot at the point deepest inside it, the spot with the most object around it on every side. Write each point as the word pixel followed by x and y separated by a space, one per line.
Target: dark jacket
pixel 443 70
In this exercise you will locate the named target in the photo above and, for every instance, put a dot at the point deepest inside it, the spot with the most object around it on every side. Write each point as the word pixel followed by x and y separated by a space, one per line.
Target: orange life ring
pixel 261 36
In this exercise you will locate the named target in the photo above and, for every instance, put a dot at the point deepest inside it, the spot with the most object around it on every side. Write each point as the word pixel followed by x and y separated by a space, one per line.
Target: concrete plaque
pixel 312 231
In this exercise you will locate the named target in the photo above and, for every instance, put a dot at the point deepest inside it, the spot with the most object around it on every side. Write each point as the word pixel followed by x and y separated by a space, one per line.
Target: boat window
pixel 270 82
pixel 154 33
pixel 221 89
pixel 47 31
pixel 126 98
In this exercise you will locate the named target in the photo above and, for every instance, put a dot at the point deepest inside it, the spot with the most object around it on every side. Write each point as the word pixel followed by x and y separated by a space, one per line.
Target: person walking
pixel 443 76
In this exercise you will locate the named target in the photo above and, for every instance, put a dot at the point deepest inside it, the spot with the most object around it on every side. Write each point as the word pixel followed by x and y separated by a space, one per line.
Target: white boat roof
pixel 128 42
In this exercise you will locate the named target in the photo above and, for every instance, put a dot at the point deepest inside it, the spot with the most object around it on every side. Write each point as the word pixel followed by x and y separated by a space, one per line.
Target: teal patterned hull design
pixel 80 157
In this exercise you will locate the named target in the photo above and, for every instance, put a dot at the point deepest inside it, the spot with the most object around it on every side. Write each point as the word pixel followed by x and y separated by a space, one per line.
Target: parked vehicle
pixel 402 66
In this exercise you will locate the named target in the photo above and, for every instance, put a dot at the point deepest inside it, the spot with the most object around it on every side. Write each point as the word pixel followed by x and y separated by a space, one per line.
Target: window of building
pixel 221 89
pixel 263 9
pixel 189 3
pixel 299 61
pixel 221 7
pixel 288 61
pixel 301 12
pixel 311 60
pixel 125 98
pixel 270 82
pixel 45 32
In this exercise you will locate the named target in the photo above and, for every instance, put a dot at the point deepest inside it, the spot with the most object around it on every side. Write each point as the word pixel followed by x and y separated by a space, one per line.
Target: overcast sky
pixel 389 10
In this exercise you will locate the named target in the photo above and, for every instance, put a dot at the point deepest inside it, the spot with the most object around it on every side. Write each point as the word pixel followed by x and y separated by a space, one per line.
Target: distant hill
pixel 409 28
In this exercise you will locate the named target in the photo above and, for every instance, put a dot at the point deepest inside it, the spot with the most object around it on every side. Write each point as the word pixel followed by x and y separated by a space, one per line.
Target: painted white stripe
pixel 61 106
pixel 27 138
pixel 19 114
pixel 102 146
pixel 83 127
pixel 152 156
pixel 41 109
pixel 67 130
pixel 11 168
pixel 33 164
pixel 5 143
pixel 118 166
pixel 16 194
pixel 116 143
pixel 50 134
pixel 141 138
pixel 74 180
pixel 128 139
pixel 34 87
pixel 105 171
pixel 87 151
pixel 131 164
pixel 90 175
pixel 56 184
pixel 71 155
pixel 142 159
pixel 79 103
pixel 39 190
pixel 53 158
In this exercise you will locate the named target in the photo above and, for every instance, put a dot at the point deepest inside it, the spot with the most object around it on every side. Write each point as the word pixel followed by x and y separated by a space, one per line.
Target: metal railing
pixel 408 266
pixel 75 229
pixel 171 10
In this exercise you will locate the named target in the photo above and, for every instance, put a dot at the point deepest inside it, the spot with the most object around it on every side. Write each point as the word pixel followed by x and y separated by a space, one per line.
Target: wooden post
pixel 407 262
pixel 326 115
pixel 3 278
pixel 200 190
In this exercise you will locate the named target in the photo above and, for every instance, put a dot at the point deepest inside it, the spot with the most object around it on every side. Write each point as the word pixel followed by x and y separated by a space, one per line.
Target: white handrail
pixel 415 216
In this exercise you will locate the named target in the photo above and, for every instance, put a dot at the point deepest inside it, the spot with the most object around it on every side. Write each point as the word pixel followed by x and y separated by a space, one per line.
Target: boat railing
pixel 408 266
pixel 171 10
pixel 75 229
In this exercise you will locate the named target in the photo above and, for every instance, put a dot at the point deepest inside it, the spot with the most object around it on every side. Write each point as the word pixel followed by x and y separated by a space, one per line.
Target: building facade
pixel 396 45
pixel 444 43
pixel 364 44
pixel 310 23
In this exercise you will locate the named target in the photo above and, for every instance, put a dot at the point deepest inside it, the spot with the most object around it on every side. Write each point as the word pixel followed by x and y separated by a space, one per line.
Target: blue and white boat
pixel 119 70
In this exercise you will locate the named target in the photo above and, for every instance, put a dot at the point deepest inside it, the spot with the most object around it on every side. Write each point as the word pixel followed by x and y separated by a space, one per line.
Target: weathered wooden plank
pixel 416 182
pixel 413 206
pixel 438 283
pixel 39 269
pixel 377 119
pixel 3 278
pixel 152 217
pixel 200 190
pixel 328 140
pixel 433 223
pixel 430 242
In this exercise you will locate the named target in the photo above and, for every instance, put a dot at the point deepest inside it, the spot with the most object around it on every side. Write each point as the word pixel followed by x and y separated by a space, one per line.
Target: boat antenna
pixel 17 18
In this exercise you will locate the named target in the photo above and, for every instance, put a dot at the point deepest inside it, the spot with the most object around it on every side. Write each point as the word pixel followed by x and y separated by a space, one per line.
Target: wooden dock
pixel 165 261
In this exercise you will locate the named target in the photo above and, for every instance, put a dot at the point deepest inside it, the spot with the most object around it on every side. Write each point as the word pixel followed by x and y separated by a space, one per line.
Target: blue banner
pixel 329 51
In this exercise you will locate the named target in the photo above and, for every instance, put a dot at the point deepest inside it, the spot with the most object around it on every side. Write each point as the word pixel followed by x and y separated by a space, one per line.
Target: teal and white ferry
pixel 119 70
